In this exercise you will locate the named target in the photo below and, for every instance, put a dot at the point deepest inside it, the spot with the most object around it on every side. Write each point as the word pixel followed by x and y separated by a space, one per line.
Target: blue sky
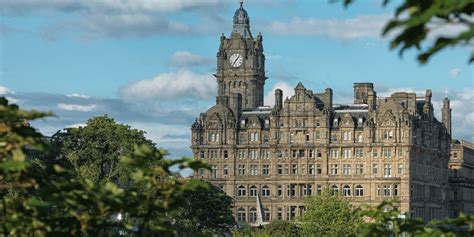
pixel 150 63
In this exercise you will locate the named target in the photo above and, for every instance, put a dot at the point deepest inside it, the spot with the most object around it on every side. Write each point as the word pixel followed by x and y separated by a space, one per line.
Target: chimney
pixel 278 99
pixel 372 100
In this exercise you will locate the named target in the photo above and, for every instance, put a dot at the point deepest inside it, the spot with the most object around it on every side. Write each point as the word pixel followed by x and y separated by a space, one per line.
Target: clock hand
pixel 235 61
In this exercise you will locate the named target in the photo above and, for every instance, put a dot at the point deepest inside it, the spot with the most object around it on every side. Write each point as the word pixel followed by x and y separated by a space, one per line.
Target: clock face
pixel 236 60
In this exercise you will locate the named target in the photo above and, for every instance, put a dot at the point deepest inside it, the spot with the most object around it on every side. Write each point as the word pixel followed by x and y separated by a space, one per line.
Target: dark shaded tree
pixel 208 211
pixel 281 228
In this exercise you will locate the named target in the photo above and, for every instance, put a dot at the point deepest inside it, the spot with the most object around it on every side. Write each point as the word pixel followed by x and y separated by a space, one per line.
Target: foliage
pixel 329 215
pixel 34 203
pixel 281 228
pixel 208 210
pixel 93 151
pixel 385 220
pixel 425 16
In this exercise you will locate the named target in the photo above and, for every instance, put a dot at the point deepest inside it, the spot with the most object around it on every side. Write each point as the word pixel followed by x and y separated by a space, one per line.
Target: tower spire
pixel 242 22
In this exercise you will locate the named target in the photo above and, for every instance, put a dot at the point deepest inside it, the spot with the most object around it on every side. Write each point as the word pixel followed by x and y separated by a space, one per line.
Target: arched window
pixel 346 191
pixel 266 215
pixel 253 215
pixel 265 191
pixel 241 214
pixel 241 191
pixel 336 123
pixel 335 189
pixel 234 84
pixel 359 190
pixel 253 191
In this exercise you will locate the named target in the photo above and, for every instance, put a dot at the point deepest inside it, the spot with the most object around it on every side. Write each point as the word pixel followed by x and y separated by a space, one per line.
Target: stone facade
pixel 368 151
pixel 461 177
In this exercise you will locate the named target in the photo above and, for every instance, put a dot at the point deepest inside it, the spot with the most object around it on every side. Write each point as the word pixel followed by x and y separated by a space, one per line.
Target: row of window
pixel 311 169
pixel 303 190
pixel 310 153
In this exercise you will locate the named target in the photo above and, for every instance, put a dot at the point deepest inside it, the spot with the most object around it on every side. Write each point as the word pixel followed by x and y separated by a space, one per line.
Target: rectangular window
pixel 400 152
pixel 318 153
pixel 307 137
pixel 292 137
pixel 387 170
pixel 294 153
pixel 359 152
pixel 375 169
pixel 346 169
pixel 359 169
pixel 287 169
pixel 387 190
pixel 396 189
pixel 374 153
pixel 265 169
pixel 241 169
pixel 319 169
pixel 225 154
pixel 202 154
pixel 334 169
pixel 253 169
pixel 319 189
pixel 226 170
pixel 310 169
pixel 346 153
pixel 400 169
pixel 279 169
pixel 280 191
pixel 311 153
pixel 318 135
pixel 294 169
pixel 301 153
pixel 214 171
pixel 303 169
pixel 387 152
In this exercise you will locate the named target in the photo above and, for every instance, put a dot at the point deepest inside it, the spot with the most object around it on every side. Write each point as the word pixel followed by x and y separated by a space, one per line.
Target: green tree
pixel 414 20
pixel 385 220
pixel 329 215
pixel 32 203
pixel 207 211
pixel 94 151
pixel 281 228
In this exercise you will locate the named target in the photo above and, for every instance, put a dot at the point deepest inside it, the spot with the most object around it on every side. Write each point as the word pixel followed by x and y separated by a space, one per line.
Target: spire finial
pixel 241 2
pixel 446 93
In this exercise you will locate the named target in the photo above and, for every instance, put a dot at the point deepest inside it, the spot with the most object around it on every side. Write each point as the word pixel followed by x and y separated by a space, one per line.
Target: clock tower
pixel 241 63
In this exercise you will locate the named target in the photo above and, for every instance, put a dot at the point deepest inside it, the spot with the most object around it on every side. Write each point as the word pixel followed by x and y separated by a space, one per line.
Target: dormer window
pixel 360 122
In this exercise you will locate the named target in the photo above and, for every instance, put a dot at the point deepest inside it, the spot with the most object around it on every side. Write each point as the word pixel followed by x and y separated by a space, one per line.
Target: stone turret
pixel 446 114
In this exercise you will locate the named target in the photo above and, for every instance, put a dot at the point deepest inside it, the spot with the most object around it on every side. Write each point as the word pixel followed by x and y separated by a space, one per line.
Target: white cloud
pixel 77 107
pixel 188 59
pixel 108 5
pixel 174 85
pixel 455 72
pixel 77 95
pixel 5 90
pixel 363 26
pixel 288 91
